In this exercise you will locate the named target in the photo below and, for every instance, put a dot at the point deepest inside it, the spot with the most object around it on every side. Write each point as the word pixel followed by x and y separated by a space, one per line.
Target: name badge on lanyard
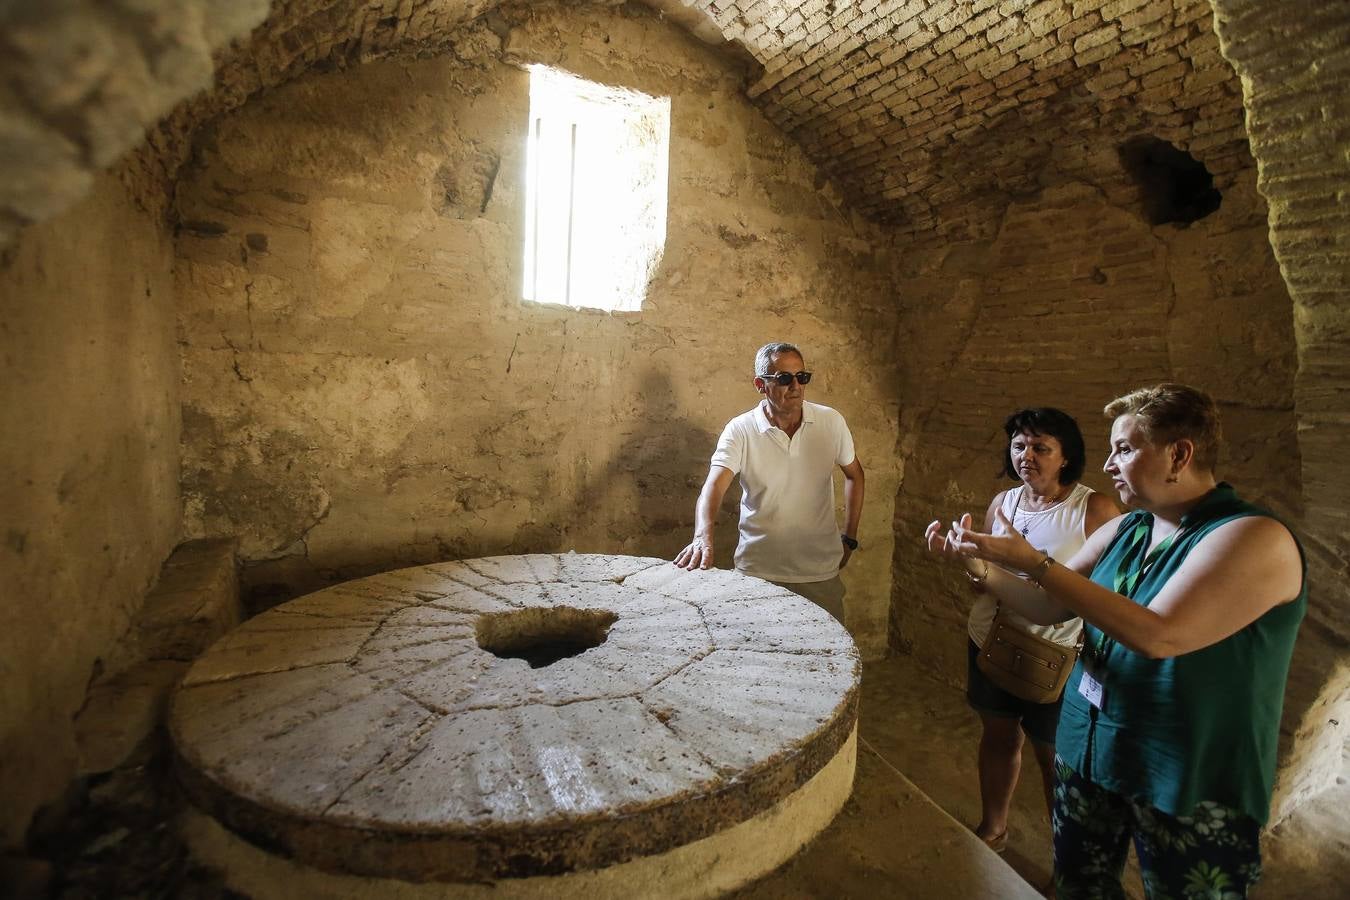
pixel 1091 689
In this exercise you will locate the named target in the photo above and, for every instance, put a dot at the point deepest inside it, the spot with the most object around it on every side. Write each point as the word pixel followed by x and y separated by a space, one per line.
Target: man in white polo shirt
pixel 784 451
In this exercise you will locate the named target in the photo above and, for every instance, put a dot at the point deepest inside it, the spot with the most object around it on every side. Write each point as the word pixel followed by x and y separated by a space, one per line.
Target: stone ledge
pixel 195 601
pixel 121 712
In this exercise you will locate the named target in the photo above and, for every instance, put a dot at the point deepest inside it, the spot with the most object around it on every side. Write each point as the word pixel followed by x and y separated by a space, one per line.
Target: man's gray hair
pixel 764 358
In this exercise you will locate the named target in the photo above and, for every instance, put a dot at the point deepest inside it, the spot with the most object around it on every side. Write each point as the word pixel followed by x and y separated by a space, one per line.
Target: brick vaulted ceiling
pixel 918 107
pixel 926 113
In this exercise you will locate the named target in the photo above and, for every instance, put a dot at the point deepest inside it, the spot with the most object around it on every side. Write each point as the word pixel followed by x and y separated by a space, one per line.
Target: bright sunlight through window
pixel 595 205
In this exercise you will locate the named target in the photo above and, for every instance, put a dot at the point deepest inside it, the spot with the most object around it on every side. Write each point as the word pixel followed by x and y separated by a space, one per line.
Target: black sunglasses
pixel 785 378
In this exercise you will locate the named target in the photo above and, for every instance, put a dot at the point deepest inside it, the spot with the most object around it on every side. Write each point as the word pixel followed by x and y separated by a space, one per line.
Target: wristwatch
pixel 850 543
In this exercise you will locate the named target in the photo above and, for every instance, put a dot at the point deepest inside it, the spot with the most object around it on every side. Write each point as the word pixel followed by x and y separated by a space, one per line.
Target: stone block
pixel 120 713
pixel 195 602
pixel 1098 54
pixel 1117 8
pixel 1174 72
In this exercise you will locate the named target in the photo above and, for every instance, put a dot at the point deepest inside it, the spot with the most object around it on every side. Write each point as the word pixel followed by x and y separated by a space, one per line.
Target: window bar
pixel 571 214
pixel 534 241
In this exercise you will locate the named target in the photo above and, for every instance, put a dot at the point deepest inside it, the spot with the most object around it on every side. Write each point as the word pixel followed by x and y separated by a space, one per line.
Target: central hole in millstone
pixel 542 636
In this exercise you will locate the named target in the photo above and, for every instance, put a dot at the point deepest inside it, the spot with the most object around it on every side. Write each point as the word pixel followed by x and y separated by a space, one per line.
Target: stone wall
pixel 1294 59
pixel 1076 301
pixel 363 387
pixel 88 469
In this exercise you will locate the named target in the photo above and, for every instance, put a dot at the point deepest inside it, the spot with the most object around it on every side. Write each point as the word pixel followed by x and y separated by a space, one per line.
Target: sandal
pixel 998 843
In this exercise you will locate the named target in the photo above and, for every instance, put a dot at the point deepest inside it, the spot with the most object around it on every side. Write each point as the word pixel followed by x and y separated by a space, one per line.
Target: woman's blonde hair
pixel 1168 412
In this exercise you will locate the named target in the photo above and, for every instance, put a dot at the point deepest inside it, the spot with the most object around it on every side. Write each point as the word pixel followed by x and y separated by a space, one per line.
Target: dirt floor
pixel 118 835
pixel 914 725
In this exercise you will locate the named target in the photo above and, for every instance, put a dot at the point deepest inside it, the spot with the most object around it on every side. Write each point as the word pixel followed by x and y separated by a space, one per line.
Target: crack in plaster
pixel 248 316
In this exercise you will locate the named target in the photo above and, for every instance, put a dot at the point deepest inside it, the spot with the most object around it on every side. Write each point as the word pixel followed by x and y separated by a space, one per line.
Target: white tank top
pixel 1058 531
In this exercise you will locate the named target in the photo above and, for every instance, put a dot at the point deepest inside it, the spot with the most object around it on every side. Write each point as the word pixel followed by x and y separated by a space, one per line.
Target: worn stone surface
pixel 705 868
pixel 121 712
pixel 195 601
pixel 384 741
pixel 370 392
pixel 88 470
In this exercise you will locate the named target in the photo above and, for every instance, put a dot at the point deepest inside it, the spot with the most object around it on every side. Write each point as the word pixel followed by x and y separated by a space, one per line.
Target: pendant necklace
pixel 1026 526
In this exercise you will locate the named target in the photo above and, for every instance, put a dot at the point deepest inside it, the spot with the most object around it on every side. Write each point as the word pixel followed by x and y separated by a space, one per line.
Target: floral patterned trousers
pixel 1212 854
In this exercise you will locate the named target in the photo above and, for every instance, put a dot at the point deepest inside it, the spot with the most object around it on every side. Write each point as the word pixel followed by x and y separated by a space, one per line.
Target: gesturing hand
pixel 1008 548
pixel 698 555
pixel 945 544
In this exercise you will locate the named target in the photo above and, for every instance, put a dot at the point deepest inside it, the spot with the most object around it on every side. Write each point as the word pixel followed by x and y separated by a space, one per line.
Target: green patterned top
pixel 1200 726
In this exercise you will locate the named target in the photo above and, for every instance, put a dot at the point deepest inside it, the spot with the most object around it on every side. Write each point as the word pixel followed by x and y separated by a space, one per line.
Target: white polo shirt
pixel 788 529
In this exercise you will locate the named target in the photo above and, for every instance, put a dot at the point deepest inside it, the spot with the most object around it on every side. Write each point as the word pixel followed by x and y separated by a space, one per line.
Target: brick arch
pixel 92 81
pixel 912 106
pixel 1293 58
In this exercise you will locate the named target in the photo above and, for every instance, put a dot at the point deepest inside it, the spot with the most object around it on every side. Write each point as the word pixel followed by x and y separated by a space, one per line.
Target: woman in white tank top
pixel 1056 514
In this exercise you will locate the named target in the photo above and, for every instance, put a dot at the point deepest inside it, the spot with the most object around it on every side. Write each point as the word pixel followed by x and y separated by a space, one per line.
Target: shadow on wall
pixel 642 500
pixel 639 501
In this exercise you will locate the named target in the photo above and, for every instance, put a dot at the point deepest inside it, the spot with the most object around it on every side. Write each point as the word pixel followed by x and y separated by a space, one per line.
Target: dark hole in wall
pixel 1174 186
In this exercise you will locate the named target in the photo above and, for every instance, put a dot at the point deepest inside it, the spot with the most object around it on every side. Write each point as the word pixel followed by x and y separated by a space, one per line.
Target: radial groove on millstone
pixel 395 746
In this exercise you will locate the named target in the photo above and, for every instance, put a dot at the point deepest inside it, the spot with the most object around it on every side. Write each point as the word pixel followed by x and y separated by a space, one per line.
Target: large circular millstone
pixel 513 717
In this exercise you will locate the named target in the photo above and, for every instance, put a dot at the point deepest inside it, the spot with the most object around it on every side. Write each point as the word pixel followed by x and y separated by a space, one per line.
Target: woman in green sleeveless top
pixel 1170 720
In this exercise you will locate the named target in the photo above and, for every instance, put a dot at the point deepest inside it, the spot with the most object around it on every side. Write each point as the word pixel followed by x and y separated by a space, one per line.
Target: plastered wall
pixel 363 387
pixel 89 503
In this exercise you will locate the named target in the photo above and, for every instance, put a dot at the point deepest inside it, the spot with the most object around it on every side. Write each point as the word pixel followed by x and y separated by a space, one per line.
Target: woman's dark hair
pixel 1056 423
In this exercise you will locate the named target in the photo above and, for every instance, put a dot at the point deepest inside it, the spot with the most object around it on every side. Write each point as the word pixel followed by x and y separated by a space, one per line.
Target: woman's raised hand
pixel 961 541
pixel 944 544
pixel 1007 548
